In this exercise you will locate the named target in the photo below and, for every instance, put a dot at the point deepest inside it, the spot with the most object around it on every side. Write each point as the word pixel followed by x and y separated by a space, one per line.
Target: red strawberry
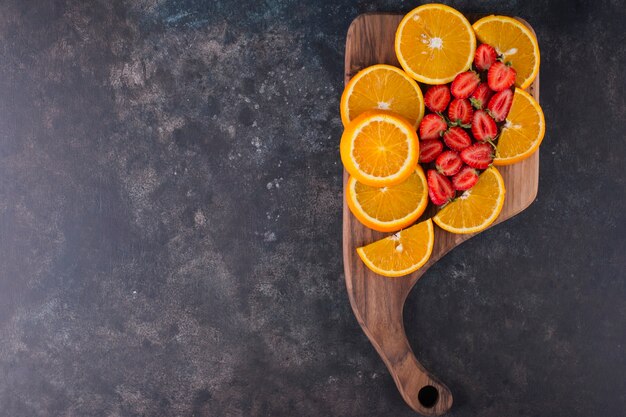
pixel 465 179
pixel 457 139
pixel 500 76
pixel 485 56
pixel 483 126
pixel 480 97
pixel 429 150
pixel 479 155
pixel 449 163
pixel 464 84
pixel 440 188
pixel 437 98
pixel 432 127
pixel 500 104
pixel 460 112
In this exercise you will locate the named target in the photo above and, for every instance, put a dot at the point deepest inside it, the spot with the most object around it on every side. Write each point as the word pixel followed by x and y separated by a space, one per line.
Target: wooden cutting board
pixel 377 301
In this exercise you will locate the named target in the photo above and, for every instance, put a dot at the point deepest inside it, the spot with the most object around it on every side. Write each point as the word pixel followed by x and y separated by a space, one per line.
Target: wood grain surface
pixel 377 301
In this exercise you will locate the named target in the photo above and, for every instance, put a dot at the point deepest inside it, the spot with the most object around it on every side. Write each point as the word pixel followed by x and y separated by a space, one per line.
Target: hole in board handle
pixel 428 396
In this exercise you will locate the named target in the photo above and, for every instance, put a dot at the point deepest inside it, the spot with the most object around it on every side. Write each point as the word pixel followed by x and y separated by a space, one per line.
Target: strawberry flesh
pixel 500 76
pixel 464 84
pixel 479 155
pixel 430 150
pixel 457 139
pixel 480 97
pixel 500 104
pixel 465 179
pixel 432 126
pixel 484 128
pixel 460 112
pixel 437 98
pixel 485 56
pixel 449 163
pixel 440 188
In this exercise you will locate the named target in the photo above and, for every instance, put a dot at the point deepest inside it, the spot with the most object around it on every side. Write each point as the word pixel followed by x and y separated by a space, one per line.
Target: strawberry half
pixel 432 126
pixel 500 104
pixel 457 139
pixel 437 98
pixel 480 97
pixel 485 56
pixel 479 155
pixel 449 163
pixel 465 179
pixel 500 76
pixel 429 150
pixel 460 112
pixel 483 126
pixel 464 84
pixel 440 188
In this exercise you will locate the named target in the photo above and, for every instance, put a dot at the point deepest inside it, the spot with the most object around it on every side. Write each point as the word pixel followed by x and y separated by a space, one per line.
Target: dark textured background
pixel 170 221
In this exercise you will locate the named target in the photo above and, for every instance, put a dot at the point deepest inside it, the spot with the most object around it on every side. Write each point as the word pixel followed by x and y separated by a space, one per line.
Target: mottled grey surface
pixel 170 221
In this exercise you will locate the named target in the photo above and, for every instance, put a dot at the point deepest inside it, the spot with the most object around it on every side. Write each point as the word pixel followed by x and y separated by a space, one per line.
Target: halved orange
pixel 382 87
pixel 477 208
pixel 391 208
pixel 402 253
pixel 522 132
pixel 379 149
pixel 515 42
pixel 434 43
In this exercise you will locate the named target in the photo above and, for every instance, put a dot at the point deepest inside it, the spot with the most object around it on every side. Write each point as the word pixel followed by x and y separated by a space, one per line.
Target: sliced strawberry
pixel 460 112
pixel 432 126
pixel 483 126
pixel 479 155
pixel 464 84
pixel 485 56
pixel 500 104
pixel 429 150
pixel 449 163
pixel 480 97
pixel 437 98
pixel 457 139
pixel 500 76
pixel 465 179
pixel 440 188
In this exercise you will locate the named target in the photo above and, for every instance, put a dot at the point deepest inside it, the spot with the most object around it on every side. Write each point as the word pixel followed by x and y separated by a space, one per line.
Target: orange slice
pixel 513 40
pixel 382 87
pixel 522 132
pixel 391 208
pixel 477 208
pixel 379 149
pixel 434 43
pixel 400 254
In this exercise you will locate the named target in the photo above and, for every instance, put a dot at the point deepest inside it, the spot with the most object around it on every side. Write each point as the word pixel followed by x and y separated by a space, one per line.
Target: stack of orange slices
pixel 381 108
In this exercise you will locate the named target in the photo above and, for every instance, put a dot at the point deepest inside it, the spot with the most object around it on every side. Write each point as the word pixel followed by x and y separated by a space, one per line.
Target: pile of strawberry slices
pixel 459 132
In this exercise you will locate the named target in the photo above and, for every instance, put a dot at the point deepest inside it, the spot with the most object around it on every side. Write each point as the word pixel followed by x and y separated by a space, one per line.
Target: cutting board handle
pixel 422 392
